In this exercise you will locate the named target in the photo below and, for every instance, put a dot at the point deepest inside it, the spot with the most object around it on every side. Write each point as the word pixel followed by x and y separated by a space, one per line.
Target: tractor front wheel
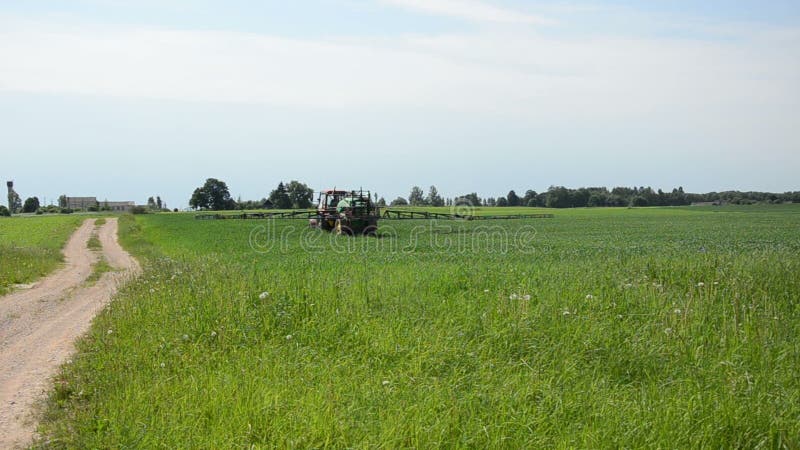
pixel 342 229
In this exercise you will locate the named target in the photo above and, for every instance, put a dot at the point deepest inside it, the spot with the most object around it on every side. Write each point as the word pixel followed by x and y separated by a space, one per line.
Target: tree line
pixel 563 197
pixel 215 195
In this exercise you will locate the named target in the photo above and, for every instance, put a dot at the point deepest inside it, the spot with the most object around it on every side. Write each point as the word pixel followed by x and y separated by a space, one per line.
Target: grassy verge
pixel 622 328
pixel 30 247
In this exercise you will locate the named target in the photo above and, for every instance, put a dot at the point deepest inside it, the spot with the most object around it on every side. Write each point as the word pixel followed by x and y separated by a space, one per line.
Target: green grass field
pixel 30 247
pixel 670 328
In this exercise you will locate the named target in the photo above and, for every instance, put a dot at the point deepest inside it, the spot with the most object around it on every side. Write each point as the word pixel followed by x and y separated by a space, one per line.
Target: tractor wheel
pixel 342 229
pixel 371 230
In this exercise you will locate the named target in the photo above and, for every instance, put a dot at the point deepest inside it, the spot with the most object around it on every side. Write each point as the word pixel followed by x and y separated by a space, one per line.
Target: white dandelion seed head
pixel 163 365
pixel 263 295
pixel 213 334
pixel 668 331
pixel 677 311
pixel 526 297
pixel 700 284
pixel 619 316
pixel 152 290
pixel 109 331
pixel 485 290
pixel 565 312
pixel 716 283
pixel 385 382
pixel 589 296
pixel 288 337
pixel 513 297
pixel 185 337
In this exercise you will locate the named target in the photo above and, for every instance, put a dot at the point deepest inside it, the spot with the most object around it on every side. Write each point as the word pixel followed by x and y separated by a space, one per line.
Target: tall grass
pixel 619 328
pixel 30 247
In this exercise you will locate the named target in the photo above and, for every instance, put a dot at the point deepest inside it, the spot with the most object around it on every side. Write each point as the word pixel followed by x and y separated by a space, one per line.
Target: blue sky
pixel 123 100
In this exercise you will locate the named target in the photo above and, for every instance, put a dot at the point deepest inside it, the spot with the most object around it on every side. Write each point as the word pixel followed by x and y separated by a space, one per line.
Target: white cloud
pixel 746 89
pixel 471 10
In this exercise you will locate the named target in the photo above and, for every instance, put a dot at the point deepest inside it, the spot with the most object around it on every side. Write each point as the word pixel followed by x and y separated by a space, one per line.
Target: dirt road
pixel 39 325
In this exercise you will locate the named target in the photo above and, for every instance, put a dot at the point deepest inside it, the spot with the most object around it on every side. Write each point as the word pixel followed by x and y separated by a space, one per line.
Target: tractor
pixel 346 212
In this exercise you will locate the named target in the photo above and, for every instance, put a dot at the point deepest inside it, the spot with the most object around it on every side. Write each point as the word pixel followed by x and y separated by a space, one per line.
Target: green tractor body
pixel 346 212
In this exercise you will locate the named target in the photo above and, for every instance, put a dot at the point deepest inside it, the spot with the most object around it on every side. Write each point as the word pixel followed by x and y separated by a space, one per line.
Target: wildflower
pixel 485 290
pixel 288 337
pixel 513 297
pixel 716 283
pixel 263 295
pixel 628 285
pixel 109 331
pixel 677 311
pixel 213 334
pixel 589 296
pixel 700 284
pixel 668 331
pixel 152 290
pixel 163 365
pixel 619 316
pixel 185 337
pixel 385 382
pixel 526 297
pixel 565 313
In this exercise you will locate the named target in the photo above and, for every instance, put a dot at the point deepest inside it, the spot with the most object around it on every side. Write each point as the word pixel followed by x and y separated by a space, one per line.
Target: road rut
pixel 38 326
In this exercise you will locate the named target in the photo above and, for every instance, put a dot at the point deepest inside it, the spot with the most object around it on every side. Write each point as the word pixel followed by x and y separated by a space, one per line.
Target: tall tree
pixel 417 196
pixel 214 195
pixel 558 197
pixel 199 199
pixel 469 199
pixel 530 195
pixel 300 195
pixel 434 199
pixel 151 203
pixel 399 201
pixel 159 203
pixel 280 197
pixel 31 205
pixel 513 199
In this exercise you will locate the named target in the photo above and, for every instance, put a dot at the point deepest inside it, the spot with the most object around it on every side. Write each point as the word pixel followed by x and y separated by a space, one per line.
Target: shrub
pixel 139 210
pixel 4 212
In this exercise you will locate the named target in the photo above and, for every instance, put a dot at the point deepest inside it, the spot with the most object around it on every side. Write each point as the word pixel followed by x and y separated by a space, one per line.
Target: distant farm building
pixel 92 202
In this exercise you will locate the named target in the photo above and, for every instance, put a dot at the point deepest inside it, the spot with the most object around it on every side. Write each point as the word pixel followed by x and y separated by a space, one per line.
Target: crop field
pixel 673 327
pixel 30 247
